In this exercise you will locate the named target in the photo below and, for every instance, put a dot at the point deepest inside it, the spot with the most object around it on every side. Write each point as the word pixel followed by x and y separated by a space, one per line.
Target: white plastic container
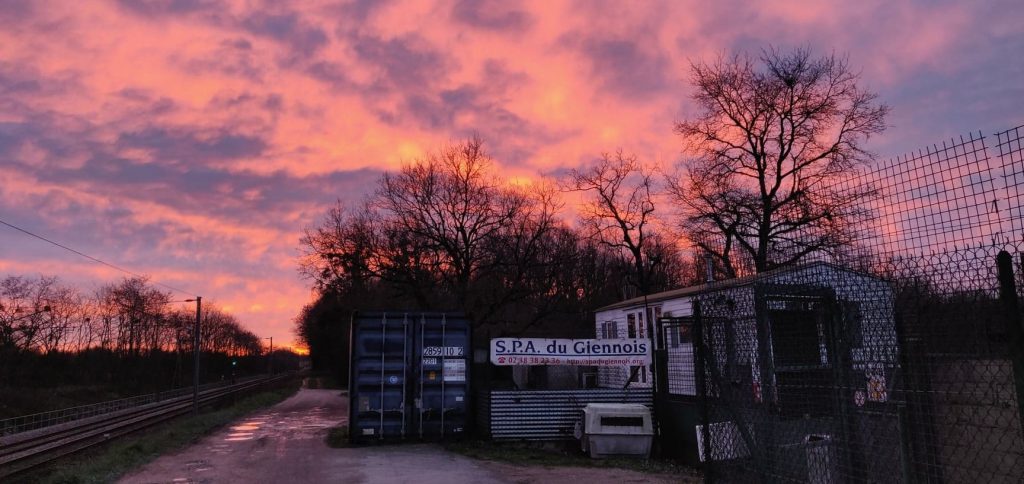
pixel 616 429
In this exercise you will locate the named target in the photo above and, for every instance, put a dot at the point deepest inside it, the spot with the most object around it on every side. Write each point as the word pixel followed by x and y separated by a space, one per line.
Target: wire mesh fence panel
pixel 898 358
pixel 677 335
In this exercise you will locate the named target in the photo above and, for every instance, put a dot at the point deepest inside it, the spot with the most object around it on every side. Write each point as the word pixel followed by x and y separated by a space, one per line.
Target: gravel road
pixel 285 444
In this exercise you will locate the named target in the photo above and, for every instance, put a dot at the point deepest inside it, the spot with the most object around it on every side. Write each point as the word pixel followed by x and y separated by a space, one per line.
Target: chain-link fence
pixel 899 360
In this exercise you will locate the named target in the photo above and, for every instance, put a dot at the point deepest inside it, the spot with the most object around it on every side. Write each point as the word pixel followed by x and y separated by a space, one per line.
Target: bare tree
pixel 35 313
pixel 65 316
pixel 19 312
pixel 773 142
pixel 445 232
pixel 524 260
pixel 138 311
pixel 619 211
pixel 221 332
pixel 444 208
pixel 339 253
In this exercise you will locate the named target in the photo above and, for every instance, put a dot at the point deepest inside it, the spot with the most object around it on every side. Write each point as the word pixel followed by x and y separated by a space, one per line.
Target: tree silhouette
pixel 446 233
pixel 774 139
pixel 619 210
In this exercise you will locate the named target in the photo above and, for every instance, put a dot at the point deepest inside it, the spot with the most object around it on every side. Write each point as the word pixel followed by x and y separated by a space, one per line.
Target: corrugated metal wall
pixel 550 414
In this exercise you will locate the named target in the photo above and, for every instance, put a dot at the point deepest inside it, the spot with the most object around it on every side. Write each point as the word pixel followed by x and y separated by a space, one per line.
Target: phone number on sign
pixel 543 360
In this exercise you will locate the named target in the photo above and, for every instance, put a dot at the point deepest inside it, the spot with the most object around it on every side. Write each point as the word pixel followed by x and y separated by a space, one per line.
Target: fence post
pixel 842 363
pixel 904 418
pixel 700 381
pixel 1014 331
pixel 660 353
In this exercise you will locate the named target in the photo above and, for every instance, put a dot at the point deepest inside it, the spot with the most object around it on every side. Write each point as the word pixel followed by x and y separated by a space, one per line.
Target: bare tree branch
pixel 773 142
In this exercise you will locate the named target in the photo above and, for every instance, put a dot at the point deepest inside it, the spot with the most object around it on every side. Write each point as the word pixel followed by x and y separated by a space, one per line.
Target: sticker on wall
pixel 454 370
pixel 876 386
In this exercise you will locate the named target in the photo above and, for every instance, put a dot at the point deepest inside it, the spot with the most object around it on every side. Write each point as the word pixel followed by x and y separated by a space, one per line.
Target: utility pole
pixel 270 356
pixel 195 355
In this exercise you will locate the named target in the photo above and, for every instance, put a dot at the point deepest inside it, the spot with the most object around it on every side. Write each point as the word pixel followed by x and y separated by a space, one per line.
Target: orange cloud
pixel 194 140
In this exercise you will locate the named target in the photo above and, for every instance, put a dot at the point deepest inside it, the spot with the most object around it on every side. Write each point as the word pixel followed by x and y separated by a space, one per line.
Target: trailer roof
pixel 718 285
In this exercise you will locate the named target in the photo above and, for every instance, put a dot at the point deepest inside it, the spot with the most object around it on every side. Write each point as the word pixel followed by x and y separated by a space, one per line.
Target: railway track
pixel 25 450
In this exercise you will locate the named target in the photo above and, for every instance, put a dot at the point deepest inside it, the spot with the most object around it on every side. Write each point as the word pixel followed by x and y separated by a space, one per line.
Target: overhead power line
pixel 87 256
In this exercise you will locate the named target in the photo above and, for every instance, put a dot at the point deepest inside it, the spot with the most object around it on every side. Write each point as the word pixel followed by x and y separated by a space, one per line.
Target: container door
pixel 381 351
pixel 443 347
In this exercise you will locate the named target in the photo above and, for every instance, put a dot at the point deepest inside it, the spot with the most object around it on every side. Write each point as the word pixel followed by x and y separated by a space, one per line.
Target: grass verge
pixel 323 382
pixel 337 437
pixel 557 455
pixel 107 463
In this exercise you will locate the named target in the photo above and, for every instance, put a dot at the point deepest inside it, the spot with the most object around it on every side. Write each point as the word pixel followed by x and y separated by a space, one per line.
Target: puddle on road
pixel 220 448
pixel 244 431
pixel 277 426
pixel 195 465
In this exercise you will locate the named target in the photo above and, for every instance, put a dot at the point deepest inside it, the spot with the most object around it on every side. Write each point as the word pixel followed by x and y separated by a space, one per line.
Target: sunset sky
pixel 192 140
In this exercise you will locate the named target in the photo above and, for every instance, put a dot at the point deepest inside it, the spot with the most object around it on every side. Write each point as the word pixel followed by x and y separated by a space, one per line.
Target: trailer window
pixel 803 374
pixel 798 340
pixel 609 330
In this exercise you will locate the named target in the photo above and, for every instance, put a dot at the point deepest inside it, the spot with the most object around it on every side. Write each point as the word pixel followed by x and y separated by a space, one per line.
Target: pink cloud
pixel 180 138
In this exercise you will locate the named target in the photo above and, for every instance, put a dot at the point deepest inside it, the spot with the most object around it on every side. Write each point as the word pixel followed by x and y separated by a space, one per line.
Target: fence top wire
pixel 944 198
pixel 934 215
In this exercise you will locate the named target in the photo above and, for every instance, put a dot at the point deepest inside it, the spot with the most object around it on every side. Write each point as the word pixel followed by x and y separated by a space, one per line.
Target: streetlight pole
pixel 195 355
pixel 270 356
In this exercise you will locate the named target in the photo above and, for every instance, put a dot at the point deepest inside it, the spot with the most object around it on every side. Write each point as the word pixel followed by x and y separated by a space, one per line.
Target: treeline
pixel 772 151
pixel 130 317
pixel 446 233
pixel 127 335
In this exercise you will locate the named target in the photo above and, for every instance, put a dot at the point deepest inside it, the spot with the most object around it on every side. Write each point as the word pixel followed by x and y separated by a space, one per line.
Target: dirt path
pixel 275 445
pixel 286 444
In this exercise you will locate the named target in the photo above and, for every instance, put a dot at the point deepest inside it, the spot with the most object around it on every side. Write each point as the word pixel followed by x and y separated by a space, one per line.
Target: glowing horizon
pixel 192 140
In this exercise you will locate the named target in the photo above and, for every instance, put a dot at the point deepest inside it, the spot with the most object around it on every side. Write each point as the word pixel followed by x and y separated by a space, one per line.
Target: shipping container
pixel 409 376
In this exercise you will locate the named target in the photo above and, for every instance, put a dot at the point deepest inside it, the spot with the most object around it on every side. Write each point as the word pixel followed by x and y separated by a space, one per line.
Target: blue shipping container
pixel 409 376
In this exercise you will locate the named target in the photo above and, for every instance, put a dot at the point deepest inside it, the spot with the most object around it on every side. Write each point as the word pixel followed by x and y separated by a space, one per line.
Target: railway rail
pixel 25 450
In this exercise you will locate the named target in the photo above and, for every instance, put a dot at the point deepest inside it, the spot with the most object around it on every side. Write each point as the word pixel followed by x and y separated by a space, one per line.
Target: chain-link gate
pixel 676 406
pixel 798 379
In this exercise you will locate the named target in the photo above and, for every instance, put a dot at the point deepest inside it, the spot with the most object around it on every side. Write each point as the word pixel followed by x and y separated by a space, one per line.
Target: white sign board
pixel 584 352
